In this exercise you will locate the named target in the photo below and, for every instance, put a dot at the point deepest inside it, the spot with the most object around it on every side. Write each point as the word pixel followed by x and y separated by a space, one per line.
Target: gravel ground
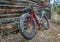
pixel 50 35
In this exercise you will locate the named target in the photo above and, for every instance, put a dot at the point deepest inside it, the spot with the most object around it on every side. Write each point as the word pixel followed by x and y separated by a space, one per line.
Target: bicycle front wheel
pixel 27 26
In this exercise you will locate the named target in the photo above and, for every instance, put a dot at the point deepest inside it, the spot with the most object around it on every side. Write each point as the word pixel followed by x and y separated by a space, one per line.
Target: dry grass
pixel 50 35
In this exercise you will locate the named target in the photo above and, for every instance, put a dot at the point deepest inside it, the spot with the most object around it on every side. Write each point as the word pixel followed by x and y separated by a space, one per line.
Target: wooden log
pixel 10 11
pixel 11 6
pixel 6 20
pixel 9 14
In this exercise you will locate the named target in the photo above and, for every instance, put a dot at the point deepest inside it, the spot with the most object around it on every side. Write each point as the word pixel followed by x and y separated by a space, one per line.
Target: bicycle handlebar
pixel 28 8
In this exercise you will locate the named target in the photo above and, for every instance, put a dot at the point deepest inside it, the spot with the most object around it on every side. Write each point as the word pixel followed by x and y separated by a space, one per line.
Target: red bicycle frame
pixel 33 16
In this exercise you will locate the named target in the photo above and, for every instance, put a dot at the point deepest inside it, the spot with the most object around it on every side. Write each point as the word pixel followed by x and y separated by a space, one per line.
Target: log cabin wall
pixel 7 8
pixel 41 0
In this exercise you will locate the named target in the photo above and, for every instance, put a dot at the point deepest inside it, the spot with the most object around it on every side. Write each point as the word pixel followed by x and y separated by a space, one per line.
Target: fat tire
pixel 21 27
pixel 47 22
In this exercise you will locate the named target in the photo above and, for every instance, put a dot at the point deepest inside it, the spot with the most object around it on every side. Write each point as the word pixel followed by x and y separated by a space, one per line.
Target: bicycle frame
pixel 33 16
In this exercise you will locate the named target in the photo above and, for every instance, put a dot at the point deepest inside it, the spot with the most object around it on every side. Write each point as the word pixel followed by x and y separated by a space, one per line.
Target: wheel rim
pixel 44 23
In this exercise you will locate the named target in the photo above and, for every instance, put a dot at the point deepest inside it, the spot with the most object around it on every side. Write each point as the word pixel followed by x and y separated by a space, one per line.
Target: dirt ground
pixel 50 35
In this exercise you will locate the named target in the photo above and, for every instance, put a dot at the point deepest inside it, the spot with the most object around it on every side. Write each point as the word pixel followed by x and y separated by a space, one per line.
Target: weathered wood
pixel 9 14
pixel 6 20
pixel 11 6
pixel 6 2
pixel 10 11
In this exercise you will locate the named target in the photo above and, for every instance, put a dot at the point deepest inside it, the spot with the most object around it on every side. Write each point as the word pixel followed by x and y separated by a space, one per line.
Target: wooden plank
pixel 12 9
pixel 14 3
pixel 5 20
pixel 11 6
pixel 6 2
pixel 9 14
pixel 10 2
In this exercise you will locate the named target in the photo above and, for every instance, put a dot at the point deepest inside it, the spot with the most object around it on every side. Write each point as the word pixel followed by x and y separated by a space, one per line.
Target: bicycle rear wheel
pixel 45 23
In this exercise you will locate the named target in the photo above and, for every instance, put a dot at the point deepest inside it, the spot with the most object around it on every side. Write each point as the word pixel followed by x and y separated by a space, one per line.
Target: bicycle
pixel 28 21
